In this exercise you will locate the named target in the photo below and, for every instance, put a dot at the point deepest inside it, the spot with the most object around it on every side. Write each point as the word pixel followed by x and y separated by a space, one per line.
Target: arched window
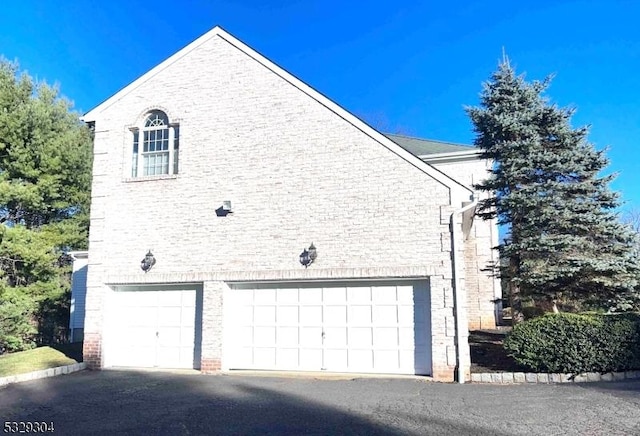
pixel 160 145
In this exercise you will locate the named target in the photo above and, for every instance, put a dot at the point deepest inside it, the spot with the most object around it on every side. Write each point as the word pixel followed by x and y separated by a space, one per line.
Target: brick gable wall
pixel 295 173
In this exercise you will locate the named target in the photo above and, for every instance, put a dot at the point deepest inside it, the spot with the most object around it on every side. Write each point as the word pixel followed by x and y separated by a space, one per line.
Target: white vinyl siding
pixel 78 297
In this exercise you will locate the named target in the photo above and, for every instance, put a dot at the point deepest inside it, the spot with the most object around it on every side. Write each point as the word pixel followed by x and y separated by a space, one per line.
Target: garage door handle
pixel 157 334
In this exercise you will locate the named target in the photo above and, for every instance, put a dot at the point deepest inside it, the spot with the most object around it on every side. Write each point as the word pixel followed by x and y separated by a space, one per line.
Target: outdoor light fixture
pixel 308 255
pixel 148 261
pixel 225 209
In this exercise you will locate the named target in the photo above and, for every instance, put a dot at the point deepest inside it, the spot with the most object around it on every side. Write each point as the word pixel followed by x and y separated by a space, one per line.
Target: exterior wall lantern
pixel 225 209
pixel 308 255
pixel 148 262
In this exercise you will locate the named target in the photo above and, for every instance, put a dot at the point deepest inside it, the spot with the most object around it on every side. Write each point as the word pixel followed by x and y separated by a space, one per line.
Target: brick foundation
pixel 209 366
pixel 92 350
pixel 445 374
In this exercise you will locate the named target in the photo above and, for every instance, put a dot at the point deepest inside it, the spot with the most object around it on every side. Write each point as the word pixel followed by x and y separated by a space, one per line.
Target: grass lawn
pixel 33 360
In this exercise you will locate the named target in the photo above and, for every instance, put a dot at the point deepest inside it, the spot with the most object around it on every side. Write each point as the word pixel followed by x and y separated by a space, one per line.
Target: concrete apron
pixel 279 374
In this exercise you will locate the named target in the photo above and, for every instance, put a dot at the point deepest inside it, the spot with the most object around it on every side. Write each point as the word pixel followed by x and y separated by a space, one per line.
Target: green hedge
pixel 571 343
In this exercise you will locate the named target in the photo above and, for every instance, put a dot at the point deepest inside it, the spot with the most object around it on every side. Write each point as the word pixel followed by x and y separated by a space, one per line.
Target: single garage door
pixel 379 327
pixel 154 327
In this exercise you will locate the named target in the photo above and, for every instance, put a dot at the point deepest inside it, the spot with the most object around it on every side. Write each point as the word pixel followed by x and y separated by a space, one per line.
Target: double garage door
pixel 341 327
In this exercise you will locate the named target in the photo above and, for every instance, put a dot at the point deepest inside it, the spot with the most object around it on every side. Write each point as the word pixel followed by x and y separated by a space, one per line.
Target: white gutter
pixel 458 300
pixel 452 157
pixel 80 254
pixel 472 152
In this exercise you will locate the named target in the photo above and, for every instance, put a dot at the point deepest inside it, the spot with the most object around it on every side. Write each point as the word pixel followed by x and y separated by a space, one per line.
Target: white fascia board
pixel 454 156
pixel 458 190
pixel 81 254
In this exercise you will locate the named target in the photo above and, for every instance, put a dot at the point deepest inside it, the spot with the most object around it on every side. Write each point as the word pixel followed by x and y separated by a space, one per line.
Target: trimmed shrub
pixel 572 343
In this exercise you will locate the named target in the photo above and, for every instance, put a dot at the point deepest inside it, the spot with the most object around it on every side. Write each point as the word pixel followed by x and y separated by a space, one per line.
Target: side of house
pixel 218 169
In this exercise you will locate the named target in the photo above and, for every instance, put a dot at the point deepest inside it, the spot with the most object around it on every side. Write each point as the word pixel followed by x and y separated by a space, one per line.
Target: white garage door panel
pixel 363 327
pixel 152 329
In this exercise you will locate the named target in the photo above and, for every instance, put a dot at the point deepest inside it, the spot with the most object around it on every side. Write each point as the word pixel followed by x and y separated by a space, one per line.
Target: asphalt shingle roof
pixel 421 147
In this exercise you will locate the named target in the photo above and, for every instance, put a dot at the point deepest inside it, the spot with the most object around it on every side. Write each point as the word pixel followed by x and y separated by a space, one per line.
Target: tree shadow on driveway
pixel 162 403
pixel 627 389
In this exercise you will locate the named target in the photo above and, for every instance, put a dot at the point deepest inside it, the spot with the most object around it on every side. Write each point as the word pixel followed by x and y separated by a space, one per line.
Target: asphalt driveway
pixel 149 403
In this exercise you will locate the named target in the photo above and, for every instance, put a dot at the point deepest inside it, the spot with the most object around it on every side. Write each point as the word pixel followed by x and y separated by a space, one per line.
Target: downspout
pixel 456 283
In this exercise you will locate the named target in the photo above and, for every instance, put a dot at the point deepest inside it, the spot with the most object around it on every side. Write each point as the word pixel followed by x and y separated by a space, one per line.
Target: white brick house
pixel 225 167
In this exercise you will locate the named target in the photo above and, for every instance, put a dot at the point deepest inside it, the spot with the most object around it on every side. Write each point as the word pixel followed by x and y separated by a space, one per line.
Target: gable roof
pixel 458 190
pixel 421 147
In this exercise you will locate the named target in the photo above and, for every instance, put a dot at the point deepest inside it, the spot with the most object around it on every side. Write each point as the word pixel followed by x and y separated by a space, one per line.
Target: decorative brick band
pixel 405 272
pixel 532 377
pixel 44 373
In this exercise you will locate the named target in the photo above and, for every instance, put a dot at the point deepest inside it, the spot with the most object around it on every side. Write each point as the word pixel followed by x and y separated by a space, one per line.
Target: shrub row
pixel 573 344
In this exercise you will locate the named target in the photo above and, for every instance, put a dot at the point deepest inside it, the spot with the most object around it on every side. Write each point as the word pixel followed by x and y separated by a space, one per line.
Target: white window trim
pixel 139 130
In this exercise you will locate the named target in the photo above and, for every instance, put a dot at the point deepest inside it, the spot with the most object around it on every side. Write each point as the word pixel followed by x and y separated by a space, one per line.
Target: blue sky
pixel 404 66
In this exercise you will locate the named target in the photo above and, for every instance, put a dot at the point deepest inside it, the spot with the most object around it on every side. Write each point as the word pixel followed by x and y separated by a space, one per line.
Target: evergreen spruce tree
pixel 45 177
pixel 565 240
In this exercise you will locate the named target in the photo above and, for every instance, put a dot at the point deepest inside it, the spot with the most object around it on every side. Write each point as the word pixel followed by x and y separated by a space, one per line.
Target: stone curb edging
pixel 43 373
pixel 532 377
